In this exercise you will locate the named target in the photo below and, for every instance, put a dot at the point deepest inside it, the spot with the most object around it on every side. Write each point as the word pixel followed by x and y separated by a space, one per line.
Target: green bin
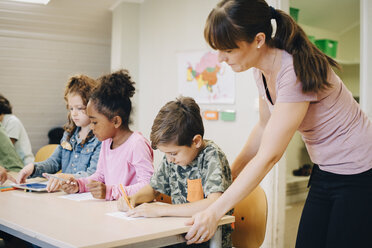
pixel 293 12
pixel 327 46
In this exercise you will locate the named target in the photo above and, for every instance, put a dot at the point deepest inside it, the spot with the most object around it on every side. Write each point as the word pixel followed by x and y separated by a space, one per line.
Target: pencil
pixel 7 189
pixel 125 196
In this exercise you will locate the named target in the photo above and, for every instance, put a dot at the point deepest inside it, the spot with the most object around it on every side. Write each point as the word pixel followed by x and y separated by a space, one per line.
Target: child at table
pixel 78 152
pixel 15 131
pixel 9 159
pixel 126 157
pixel 194 171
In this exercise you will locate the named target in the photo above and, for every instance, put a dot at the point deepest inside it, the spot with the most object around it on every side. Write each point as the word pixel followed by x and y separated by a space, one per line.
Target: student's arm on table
pixel 71 186
pixel 55 184
pixel 145 194
pixel 50 165
pixel 80 185
pixel 186 209
pixel 254 140
pixel 284 121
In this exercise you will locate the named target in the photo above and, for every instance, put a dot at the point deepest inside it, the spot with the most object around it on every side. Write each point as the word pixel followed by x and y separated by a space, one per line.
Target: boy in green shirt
pixel 9 159
pixel 194 171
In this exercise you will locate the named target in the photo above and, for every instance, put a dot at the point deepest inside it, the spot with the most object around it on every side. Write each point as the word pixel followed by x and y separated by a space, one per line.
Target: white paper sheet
pixel 79 197
pixel 123 215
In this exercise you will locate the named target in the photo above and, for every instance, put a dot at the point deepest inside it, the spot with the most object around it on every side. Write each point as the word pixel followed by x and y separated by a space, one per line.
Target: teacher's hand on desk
pixel 204 225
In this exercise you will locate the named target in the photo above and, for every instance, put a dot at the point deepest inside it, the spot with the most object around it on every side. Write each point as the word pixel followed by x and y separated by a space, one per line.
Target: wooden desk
pixel 49 221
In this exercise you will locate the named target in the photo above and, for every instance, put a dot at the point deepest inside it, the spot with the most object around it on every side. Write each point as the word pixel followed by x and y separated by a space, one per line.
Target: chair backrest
pixel 163 198
pixel 45 152
pixel 250 220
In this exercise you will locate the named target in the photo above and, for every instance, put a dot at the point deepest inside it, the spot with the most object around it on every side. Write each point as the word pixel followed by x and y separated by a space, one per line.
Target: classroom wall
pixel 41 46
pixel 365 57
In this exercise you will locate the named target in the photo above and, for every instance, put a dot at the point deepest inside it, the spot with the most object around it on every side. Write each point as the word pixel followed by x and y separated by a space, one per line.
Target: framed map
pixel 202 77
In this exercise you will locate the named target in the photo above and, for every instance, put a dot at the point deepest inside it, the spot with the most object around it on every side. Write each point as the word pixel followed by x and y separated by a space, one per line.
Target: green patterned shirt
pixel 211 166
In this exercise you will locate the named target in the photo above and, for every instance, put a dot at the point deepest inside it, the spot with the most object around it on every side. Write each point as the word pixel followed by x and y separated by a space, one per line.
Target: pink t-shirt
pixel 130 164
pixel 336 132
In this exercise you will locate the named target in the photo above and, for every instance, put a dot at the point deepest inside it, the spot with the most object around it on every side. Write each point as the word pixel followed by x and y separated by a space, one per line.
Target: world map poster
pixel 202 77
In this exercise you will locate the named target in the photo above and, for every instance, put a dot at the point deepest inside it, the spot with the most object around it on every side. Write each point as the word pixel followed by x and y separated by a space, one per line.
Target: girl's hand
pixel 55 184
pixel 71 186
pixel 97 189
pixel 25 173
pixel 204 225
pixel 123 205
pixel 146 210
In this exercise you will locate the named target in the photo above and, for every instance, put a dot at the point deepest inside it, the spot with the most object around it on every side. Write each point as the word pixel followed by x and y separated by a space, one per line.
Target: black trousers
pixel 337 212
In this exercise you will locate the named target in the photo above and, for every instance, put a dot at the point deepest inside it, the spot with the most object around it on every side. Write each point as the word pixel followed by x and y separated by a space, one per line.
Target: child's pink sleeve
pixel 143 159
pixel 97 176
pixel 142 163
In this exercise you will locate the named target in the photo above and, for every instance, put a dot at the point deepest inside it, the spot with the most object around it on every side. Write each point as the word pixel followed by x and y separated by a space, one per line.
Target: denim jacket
pixel 71 159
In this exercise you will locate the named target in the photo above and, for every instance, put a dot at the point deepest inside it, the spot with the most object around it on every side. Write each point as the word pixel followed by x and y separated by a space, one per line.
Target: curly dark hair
pixel 112 96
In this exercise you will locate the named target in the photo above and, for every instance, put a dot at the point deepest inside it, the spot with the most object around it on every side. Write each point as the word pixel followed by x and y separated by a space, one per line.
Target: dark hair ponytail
pixel 112 96
pixel 310 64
pixel 236 20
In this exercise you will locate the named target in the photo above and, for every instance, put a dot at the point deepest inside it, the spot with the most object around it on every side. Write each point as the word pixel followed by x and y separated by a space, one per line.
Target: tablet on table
pixel 36 186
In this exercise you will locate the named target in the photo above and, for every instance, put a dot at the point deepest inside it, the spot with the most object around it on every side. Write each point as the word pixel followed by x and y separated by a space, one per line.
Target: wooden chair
pixel 45 152
pixel 163 198
pixel 250 220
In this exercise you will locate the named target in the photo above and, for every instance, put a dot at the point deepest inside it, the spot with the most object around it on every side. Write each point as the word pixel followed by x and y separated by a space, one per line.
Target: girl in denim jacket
pixel 78 152
pixel 126 156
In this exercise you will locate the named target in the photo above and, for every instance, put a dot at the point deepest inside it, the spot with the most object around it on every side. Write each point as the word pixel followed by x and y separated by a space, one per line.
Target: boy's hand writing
pixel 147 210
pixel 71 186
pixel 97 189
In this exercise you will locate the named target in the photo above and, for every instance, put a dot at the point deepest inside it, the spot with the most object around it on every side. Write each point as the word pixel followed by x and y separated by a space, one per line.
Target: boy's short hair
pixel 177 122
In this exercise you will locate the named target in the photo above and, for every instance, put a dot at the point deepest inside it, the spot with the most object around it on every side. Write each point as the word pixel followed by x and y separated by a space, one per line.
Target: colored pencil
pixel 7 189
pixel 125 196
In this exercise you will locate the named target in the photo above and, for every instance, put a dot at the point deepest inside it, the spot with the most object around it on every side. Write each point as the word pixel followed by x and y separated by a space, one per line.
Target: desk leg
pixel 216 240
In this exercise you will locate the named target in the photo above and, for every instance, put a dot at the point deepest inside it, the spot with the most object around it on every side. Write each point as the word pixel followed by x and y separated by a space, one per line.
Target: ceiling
pixel 332 15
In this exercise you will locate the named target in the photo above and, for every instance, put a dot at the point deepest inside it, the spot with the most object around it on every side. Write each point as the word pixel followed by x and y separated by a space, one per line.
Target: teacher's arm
pixel 254 140
pixel 280 128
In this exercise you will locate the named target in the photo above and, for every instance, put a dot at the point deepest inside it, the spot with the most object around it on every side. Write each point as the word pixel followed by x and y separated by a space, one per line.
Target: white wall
pixel 168 27
pixel 40 48
pixel 365 56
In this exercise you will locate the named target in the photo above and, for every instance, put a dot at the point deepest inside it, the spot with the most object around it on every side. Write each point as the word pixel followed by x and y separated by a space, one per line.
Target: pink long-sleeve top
pixel 130 164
